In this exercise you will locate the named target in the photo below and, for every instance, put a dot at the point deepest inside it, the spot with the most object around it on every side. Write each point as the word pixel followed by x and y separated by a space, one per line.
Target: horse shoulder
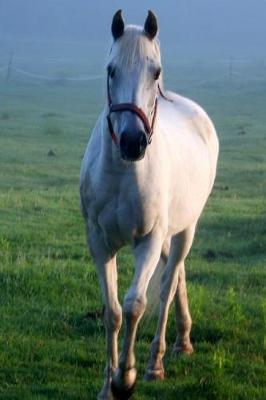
pixel 89 168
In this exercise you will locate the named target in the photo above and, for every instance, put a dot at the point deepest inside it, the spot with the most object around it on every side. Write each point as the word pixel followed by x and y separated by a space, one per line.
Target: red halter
pixel 133 109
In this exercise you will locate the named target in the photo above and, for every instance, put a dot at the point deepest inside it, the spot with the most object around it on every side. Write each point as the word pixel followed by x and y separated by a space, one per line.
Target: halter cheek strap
pixel 111 130
pixel 131 107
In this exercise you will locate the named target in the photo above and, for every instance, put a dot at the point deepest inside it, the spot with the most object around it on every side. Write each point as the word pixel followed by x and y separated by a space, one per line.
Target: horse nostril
pixel 123 141
pixel 133 144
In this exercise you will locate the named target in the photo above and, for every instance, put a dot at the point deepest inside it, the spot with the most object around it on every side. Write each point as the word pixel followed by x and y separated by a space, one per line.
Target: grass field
pixel 49 347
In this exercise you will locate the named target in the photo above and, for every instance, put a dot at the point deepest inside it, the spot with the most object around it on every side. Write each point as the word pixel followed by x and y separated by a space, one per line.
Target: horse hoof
pixel 154 375
pixel 122 393
pixel 123 383
pixel 106 394
pixel 183 349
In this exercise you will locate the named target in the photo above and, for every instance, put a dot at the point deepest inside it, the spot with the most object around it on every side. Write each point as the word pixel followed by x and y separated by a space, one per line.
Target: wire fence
pixel 231 71
pixel 203 82
pixel 50 78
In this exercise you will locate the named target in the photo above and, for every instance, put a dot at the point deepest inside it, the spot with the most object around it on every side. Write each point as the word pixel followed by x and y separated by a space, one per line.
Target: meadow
pixel 52 343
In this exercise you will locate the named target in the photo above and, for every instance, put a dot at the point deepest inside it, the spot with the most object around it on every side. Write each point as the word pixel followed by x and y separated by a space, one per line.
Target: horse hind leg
pixel 180 246
pixel 183 318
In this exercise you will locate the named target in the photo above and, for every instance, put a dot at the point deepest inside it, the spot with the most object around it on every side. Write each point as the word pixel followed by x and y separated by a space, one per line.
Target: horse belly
pixel 186 212
pixel 190 189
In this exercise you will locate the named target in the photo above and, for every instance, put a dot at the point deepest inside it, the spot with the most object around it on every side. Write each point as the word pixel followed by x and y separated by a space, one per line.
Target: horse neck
pixel 109 152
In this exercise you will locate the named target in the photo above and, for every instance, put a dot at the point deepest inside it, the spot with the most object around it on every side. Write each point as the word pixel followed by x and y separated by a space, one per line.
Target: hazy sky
pixel 232 25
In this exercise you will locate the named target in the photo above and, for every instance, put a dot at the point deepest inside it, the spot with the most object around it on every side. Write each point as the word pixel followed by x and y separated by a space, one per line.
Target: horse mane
pixel 134 46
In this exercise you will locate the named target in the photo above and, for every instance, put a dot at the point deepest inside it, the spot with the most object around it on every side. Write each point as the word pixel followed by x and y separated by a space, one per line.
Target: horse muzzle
pixel 133 145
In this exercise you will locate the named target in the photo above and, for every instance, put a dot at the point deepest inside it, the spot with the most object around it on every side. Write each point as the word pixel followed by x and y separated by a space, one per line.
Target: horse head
pixel 133 73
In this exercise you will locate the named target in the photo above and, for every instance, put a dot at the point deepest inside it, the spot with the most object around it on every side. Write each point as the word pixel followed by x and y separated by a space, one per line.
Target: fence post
pixel 9 67
pixel 230 68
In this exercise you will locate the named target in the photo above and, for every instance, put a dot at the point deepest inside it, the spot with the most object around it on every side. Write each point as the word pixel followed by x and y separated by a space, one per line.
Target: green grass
pixel 48 348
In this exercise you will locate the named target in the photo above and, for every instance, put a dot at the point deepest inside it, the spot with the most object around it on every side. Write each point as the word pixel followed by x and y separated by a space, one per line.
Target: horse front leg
pixel 147 254
pixel 107 272
pixel 113 321
pixel 180 246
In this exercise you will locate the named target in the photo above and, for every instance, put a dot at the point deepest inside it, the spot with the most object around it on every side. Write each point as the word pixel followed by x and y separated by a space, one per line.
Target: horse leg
pixel 147 254
pixel 107 272
pixel 113 321
pixel 183 318
pixel 180 246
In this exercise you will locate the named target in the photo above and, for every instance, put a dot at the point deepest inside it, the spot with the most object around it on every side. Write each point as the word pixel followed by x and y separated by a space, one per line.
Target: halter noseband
pixel 131 107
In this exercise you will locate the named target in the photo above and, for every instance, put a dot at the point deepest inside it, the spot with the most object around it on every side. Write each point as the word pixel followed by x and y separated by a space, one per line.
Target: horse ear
pixel 151 25
pixel 118 25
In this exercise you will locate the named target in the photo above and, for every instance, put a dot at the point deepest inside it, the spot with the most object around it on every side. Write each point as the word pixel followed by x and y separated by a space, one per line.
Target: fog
pixel 188 28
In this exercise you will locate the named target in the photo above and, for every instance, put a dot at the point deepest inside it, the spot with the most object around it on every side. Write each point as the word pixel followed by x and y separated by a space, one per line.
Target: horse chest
pixel 126 216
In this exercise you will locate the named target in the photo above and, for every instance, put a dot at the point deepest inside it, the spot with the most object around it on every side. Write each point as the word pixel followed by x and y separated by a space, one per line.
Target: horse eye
pixel 111 71
pixel 157 74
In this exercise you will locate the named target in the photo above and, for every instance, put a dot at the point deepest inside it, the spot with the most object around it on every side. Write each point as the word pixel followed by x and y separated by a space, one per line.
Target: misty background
pixel 188 28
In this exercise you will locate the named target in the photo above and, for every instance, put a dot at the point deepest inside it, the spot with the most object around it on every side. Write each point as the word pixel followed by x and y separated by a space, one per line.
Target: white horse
pixel 147 172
